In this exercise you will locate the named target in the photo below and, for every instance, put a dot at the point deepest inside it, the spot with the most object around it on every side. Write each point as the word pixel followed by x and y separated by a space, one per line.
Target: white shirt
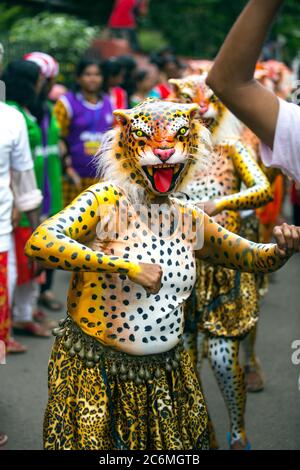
pixel 15 155
pixel 286 151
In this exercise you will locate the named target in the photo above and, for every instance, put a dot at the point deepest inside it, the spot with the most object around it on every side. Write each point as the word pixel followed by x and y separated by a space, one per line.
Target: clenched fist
pixel 209 207
pixel 287 238
pixel 149 277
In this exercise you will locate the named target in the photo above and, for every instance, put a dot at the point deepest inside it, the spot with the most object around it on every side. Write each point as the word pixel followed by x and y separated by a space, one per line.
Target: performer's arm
pixel 258 190
pixel 232 76
pixel 224 248
pixel 56 242
pixel 27 196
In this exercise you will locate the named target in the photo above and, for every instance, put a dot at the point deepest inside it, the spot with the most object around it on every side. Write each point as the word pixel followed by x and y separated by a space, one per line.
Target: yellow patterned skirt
pixel 90 409
pixel 252 230
pixel 226 301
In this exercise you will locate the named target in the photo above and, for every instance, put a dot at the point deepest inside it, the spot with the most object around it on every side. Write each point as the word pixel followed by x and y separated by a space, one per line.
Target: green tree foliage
pixel 54 32
pixel 10 14
pixel 97 12
pixel 288 26
pixel 198 27
pixel 64 36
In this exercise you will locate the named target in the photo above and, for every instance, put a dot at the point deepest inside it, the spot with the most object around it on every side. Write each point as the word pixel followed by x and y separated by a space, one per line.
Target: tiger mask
pixel 154 147
pixel 212 112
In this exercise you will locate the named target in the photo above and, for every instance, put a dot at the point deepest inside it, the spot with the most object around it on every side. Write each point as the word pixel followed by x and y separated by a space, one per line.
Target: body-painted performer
pixel 232 78
pixel 258 226
pixel 224 304
pixel 119 377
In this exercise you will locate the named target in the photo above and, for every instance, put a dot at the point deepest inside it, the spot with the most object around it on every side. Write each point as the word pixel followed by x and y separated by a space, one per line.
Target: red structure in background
pixel 111 47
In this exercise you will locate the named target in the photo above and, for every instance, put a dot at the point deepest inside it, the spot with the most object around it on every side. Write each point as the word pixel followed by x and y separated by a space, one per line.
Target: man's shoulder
pixel 288 110
pixel 288 126
pixel 9 113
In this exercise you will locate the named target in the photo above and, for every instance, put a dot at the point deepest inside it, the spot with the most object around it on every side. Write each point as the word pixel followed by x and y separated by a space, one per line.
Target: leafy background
pixel 196 28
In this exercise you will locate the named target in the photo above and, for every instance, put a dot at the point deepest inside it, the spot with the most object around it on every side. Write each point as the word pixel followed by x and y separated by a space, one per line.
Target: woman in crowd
pixel 24 82
pixel 84 115
pixel 130 68
pixel 144 83
pixel 169 67
pixel 113 72
pixel 50 179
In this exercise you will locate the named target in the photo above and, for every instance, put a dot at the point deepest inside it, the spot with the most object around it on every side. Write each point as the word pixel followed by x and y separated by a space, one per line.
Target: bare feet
pixel 48 300
pixel 14 347
pixel 3 439
pixel 31 329
pixel 40 317
pixel 240 445
pixel 254 379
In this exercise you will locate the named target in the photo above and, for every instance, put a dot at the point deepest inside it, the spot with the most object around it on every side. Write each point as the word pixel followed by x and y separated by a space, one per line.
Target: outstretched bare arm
pixel 232 76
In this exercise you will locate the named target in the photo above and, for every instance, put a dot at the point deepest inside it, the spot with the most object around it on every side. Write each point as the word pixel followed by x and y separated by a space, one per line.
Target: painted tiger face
pixel 158 141
pixel 193 89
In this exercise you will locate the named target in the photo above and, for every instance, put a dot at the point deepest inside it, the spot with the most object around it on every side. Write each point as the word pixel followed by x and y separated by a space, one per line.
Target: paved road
pixel 273 416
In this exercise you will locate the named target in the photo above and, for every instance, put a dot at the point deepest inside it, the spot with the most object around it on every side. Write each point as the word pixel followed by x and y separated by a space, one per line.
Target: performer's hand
pixel 16 216
pixel 287 238
pixel 149 277
pixel 209 207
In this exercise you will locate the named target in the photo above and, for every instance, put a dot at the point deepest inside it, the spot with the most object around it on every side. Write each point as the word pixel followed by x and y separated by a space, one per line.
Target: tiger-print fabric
pixel 89 409
pixel 226 301
pixel 251 229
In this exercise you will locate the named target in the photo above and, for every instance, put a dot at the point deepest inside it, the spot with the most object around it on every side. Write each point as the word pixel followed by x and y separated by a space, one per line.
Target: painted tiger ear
pixel 175 85
pixel 122 116
pixel 192 109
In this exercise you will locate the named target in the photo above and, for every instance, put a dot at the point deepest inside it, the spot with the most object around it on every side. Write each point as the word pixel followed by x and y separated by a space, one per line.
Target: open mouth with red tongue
pixel 163 177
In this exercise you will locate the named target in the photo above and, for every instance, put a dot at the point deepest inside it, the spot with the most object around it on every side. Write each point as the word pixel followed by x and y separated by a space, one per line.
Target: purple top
pixel 88 123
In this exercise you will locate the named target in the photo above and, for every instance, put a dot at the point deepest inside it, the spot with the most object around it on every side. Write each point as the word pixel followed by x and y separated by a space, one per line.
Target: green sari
pixel 47 161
